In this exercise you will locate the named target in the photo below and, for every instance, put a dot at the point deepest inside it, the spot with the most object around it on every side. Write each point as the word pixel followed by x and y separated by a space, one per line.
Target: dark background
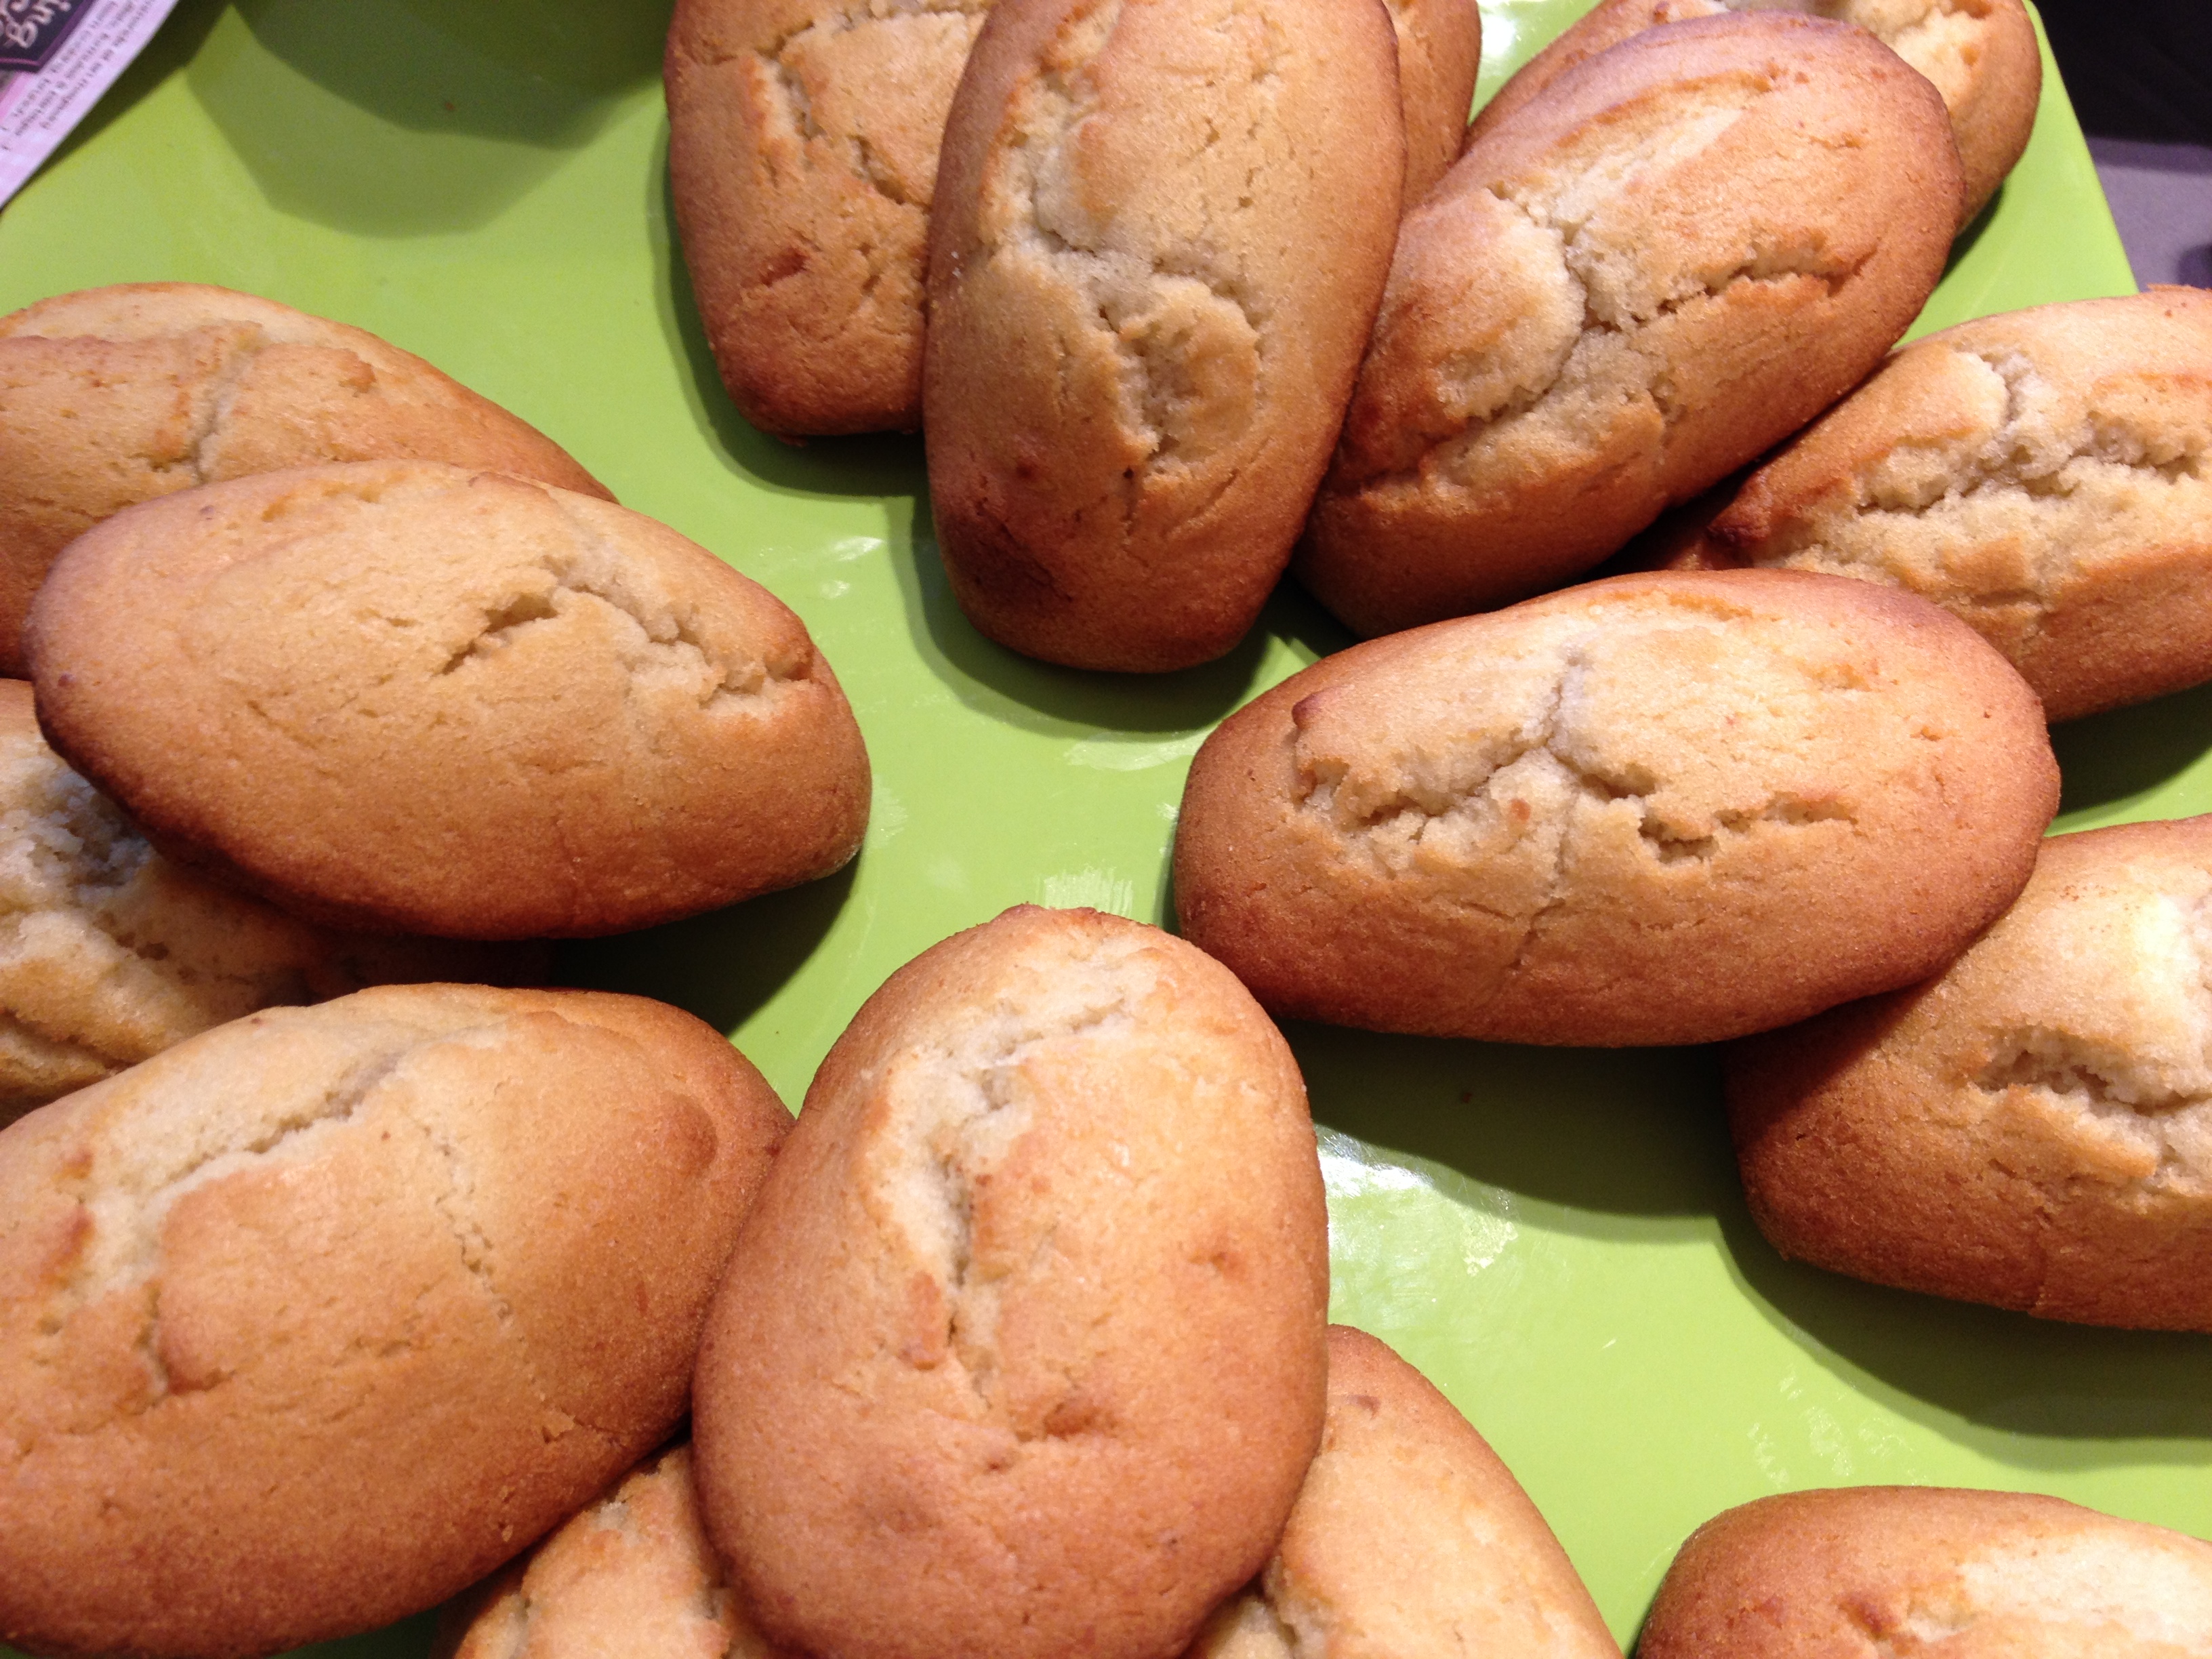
pixel 2136 68
pixel 2140 72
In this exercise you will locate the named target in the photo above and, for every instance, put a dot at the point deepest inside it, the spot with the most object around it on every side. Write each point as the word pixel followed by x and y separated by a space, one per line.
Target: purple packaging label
pixel 56 57
pixel 32 31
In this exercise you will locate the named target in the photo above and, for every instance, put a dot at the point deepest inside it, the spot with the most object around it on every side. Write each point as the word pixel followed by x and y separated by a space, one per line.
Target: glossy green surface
pixel 1556 1237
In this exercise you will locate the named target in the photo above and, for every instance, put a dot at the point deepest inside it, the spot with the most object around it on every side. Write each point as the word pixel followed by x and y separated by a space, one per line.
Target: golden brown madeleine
pixel 1679 253
pixel 632 1574
pixel 2032 1129
pixel 1981 54
pixel 802 149
pixel 1439 55
pixel 1657 809
pixel 110 952
pixel 1410 1540
pixel 114 395
pixel 1021 1351
pixel 407 696
pixel 1930 1573
pixel 2045 474
pixel 1161 234
pixel 315 1318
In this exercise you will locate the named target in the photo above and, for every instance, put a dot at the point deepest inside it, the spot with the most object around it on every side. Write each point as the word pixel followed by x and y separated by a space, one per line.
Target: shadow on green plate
pixel 1622 1136
pixel 1963 243
pixel 2114 765
pixel 2034 1393
pixel 410 1638
pixel 400 118
pixel 1045 697
pixel 720 966
pixel 1632 1144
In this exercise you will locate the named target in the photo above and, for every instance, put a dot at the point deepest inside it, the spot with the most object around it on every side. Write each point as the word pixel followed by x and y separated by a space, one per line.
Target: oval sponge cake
pixel 2046 474
pixel 315 1318
pixel 1677 254
pixel 1656 809
pixel 2032 1129
pixel 110 952
pixel 802 157
pixel 633 1574
pixel 1021 1351
pixel 1981 55
pixel 1935 1571
pixel 112 396
pixel 407 696
pixel 1161 231
pixel 1410 1540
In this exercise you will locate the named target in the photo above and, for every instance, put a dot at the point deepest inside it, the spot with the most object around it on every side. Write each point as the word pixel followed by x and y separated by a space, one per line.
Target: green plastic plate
pixel 1556 1237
